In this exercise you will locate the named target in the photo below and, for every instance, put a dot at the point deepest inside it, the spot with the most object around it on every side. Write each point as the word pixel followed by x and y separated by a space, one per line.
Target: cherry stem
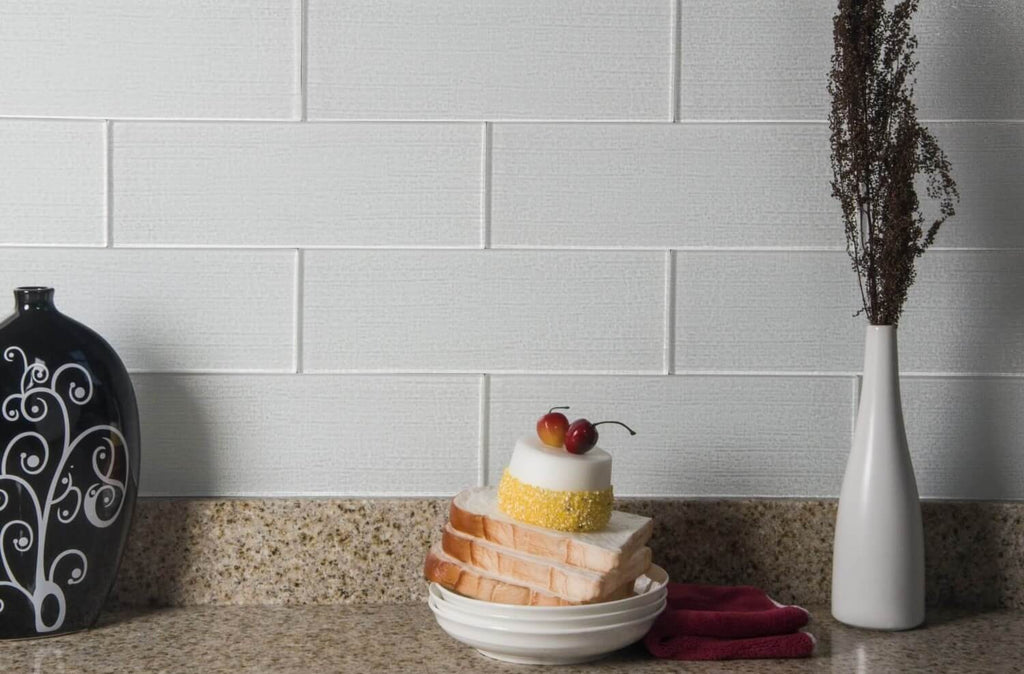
pixel 556 408
pixel 631 431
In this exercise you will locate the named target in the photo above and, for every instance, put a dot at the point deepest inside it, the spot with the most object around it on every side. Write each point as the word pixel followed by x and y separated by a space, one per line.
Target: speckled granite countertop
pixel 405 638
pixel 359 551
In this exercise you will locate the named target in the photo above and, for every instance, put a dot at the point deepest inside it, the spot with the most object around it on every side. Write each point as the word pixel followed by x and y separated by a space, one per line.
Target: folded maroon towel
pixel 714 622
pixel 728 611
pixel 795 645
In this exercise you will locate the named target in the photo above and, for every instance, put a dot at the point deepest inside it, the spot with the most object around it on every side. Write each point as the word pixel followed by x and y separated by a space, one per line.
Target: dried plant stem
pixel 878 150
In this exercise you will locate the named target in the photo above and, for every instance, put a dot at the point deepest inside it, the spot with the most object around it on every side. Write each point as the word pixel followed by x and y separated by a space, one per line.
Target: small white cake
pixel 552 488
pixel 537 464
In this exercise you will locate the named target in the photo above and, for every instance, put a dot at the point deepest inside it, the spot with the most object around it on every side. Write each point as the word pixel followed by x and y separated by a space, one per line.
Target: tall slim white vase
pixel 878 555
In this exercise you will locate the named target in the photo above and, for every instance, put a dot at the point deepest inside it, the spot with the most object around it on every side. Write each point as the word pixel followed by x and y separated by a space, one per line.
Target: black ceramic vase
pixel 69 469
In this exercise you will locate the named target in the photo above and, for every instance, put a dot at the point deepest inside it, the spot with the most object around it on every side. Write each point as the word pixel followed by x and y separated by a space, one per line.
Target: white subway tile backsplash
pixel 172 309
pixel 297 184
pixel 483 311
pixel 766 311
pixel 53 182
pixel 971 59
pixel 696 435
pixel 149 58
pixel 488 214
pixel 259 435
pixel 791 311
pixel 988 165
pixel 665 185
pixel 966 436
pixel 769 59
pixel 965 313
pixel 535 59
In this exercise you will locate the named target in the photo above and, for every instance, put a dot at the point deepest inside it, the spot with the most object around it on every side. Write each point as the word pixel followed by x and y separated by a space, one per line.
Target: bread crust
pixel 457 577
pixel 573 583
pixel 554 545
pixel 467 582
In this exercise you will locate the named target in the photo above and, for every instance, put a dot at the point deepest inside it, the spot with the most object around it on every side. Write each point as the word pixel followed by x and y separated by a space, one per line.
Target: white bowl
pixel 561 622
pixel 650 588
pixel 544 613
pixel 542 648
pixel 550 626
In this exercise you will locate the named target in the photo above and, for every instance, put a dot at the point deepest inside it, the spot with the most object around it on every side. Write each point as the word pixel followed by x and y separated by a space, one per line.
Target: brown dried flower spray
pixel 878 151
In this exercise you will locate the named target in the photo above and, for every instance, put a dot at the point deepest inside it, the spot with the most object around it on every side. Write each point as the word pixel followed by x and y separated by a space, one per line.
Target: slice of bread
pixel 477 584
pixel 475 512
pixel 573 583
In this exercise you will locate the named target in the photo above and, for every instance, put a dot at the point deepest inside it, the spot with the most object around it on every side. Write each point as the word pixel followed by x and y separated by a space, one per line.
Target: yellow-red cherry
pixel 552 426
pixel 582 435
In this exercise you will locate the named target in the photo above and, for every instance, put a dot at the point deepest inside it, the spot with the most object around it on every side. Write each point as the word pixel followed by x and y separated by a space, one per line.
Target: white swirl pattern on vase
pixel 101 502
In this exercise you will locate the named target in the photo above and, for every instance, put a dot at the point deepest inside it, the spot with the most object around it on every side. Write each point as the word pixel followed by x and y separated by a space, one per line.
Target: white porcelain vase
pixel 878 555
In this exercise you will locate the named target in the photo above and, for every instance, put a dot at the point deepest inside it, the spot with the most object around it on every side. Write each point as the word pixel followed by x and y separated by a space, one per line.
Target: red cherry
pixel 582 435
pixel 552 426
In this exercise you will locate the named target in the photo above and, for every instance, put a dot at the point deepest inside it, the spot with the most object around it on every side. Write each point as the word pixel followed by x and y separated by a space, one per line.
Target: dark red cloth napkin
pixel 718 622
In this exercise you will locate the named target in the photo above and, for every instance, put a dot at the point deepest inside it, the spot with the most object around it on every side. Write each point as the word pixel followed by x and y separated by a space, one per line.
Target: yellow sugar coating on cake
pixel 552 509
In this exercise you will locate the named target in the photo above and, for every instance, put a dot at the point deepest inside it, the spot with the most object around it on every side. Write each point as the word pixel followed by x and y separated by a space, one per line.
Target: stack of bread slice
pixel 486 555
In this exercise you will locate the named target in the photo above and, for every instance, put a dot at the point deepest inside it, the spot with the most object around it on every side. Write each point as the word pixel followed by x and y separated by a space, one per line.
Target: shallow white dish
pixel 542 648
pixel 547 626
pixel 650 588
pixel 547 623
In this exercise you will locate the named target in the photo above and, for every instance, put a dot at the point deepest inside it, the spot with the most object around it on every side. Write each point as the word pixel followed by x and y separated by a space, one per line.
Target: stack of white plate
pixel 551 635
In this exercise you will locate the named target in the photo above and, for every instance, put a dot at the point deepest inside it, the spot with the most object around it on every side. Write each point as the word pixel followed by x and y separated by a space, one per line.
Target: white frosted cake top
pixel 535 463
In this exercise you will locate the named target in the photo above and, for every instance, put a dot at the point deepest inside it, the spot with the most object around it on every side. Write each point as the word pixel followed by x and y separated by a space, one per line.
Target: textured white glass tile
pixel 966 436
pixel 53 182
pixel 988 166
pixel 767 311
pixel 278 435
pixel 172 309
pixel 965 313
pixel 149 58
pixel 769 59
pixel 663 185
pixel 483 311
pixel 972 59
pixel 297 184
pixel 696 435
pixel 774 311
pixel 754 59
pixel 490 59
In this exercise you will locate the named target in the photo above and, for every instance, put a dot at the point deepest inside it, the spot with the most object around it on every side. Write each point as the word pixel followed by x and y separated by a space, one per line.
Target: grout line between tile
pixel 211 371
pixel 108 184
pixel 303 59
pixel 483 460
pixel 486 169
pixel 568 249
pixel 677 60
pixel 297 316
pixel 670 311
pixel 572 373
pixel 470 120
pixel 61 246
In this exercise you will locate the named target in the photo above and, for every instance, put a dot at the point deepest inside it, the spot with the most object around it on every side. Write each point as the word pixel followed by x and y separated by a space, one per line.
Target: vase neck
pixel 881 355
pixel 33 298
